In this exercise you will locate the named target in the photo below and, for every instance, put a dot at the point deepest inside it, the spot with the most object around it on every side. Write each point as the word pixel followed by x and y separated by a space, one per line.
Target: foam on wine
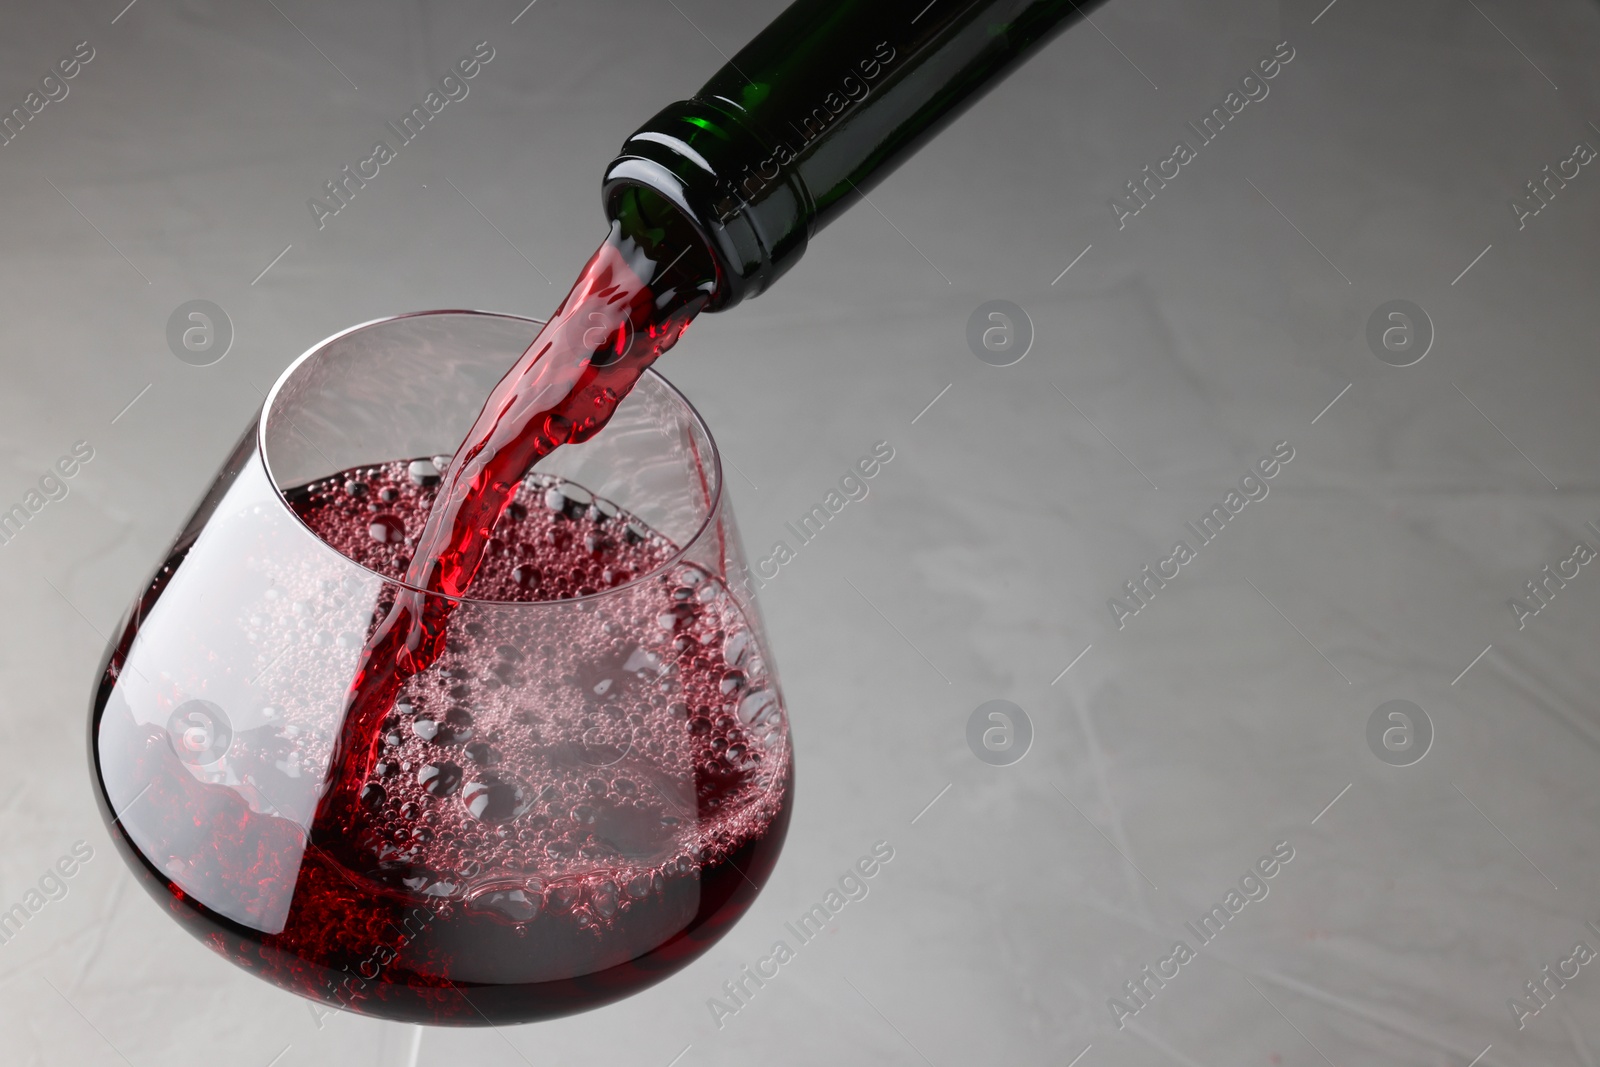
pixel 646 742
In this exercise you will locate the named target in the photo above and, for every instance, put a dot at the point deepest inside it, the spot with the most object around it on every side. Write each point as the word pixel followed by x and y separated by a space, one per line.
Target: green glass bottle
pixel 812 113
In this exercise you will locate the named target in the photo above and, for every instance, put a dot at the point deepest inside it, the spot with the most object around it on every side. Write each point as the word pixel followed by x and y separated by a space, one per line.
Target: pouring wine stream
pixel 624 311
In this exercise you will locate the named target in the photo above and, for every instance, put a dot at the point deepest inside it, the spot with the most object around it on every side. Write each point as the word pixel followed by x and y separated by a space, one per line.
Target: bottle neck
pixel 816 110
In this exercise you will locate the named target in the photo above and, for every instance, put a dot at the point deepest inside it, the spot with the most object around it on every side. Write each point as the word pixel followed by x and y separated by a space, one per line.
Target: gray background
pixel 1221 320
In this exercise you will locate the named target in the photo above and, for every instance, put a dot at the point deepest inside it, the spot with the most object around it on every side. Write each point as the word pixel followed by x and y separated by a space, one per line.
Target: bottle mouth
pixel 628 176
pixel 702 160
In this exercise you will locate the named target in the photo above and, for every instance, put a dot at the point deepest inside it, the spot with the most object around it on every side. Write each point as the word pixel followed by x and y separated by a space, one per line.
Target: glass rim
pixel 714 500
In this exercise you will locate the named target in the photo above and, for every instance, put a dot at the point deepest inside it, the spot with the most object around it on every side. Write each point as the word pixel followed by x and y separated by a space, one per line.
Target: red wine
pixel 573 800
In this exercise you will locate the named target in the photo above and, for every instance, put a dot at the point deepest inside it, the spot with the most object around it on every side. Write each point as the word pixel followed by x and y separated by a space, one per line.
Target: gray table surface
pixel 1178 350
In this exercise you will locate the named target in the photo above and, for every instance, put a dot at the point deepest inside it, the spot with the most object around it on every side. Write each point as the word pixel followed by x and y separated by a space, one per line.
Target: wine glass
pixel 580 796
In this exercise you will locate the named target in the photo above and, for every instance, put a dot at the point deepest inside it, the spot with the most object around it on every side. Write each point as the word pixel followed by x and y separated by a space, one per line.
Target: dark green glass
pixel 814 112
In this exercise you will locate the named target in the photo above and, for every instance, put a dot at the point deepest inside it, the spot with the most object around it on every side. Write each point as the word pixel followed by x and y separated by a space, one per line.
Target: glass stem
pixel 397 1044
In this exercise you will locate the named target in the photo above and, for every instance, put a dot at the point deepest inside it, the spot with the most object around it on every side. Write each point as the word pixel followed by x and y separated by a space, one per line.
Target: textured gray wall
pixel 1224 318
